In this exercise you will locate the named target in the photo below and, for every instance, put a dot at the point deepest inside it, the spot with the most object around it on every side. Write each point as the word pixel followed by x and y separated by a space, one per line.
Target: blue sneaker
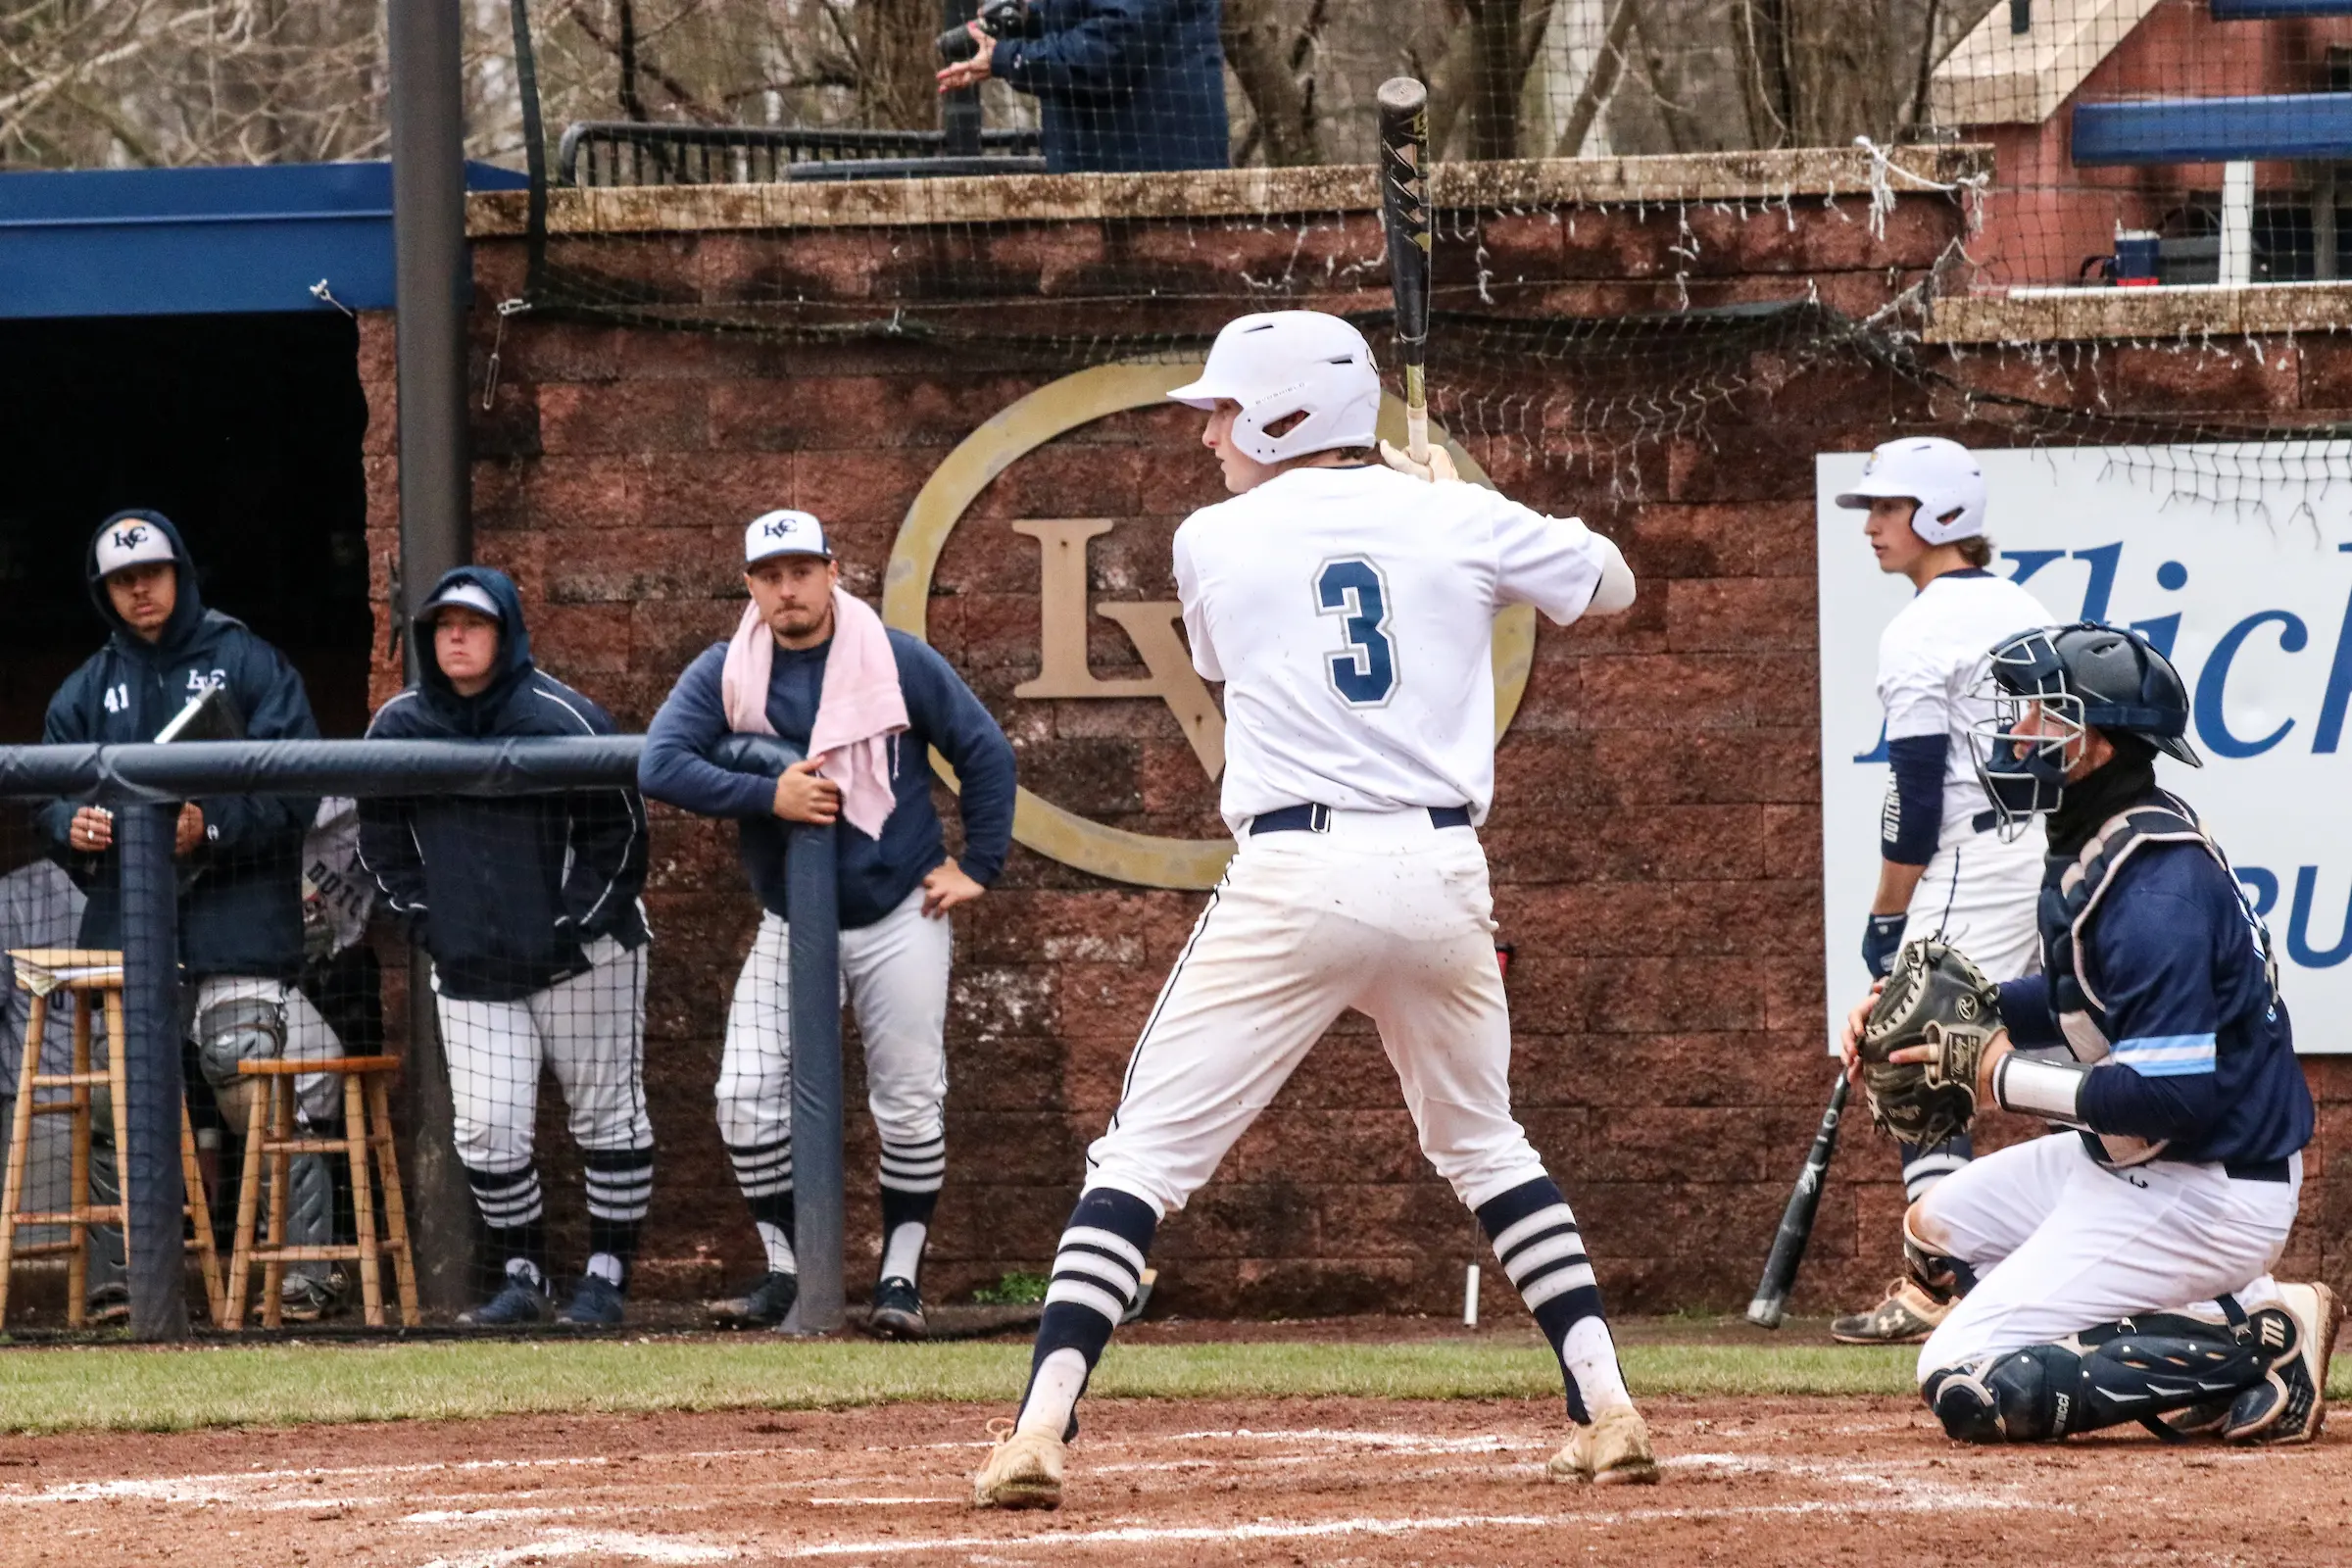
pixel 595 1305
pixel 521 1302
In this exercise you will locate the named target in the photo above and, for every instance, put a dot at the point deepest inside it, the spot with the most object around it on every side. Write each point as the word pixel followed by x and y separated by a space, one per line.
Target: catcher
pixel 2117 1269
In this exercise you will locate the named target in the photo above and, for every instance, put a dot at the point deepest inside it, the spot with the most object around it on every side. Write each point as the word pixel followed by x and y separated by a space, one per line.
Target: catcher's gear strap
pixel 2066 916
pixel 2046 1391
pixel 2051 1090
pixel 1942 1277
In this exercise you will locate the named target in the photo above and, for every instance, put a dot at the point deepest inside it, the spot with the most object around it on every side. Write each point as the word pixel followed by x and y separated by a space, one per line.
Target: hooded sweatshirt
pixel 240 901
pixel 508 893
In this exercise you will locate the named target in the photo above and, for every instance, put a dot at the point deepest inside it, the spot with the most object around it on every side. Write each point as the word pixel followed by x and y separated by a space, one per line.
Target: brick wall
pixel 1656 838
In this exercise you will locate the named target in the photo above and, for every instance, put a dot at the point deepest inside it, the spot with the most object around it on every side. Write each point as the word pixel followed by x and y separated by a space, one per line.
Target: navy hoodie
pixel 874 875
pixel 240 901
pixel 506 891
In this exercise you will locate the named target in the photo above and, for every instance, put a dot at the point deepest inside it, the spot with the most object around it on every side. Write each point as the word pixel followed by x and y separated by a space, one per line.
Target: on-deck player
pixel 2171 1204
pixel 796 669
pixel 1348 610
pixel 530 907
pixel 1942 869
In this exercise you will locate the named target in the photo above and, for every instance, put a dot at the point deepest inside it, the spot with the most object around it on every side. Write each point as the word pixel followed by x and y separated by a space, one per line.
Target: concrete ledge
pixel 2044 316
pixel 1760 176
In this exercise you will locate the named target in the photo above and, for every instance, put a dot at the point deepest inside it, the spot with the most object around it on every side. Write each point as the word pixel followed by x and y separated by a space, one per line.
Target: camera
pixel 999 19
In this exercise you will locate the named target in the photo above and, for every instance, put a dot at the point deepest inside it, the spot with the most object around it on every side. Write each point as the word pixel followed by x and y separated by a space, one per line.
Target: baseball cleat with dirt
pixel 1613 1451
pixel 1024 1470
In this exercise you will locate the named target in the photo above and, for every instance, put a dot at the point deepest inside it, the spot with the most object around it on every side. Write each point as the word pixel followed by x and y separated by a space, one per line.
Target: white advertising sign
pixel 2253 603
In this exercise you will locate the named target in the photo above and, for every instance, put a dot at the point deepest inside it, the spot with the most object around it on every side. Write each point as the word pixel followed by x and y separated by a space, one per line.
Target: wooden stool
pixel 92 975
pixel 270 1133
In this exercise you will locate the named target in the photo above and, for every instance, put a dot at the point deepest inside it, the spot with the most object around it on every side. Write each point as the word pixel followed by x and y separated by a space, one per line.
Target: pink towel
pixel 857 711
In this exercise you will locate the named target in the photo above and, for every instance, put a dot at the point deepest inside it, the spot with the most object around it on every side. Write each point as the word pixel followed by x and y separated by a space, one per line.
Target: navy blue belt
pixel 2255 1170
pixel 1317 819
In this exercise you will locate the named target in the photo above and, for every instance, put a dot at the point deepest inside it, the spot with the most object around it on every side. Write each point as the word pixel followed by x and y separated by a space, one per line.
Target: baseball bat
pixel 1796 1220
pixel 1404 213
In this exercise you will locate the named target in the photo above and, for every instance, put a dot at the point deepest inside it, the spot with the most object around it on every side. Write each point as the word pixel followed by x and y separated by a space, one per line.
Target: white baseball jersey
pixel 1932 657
pixel 1349 613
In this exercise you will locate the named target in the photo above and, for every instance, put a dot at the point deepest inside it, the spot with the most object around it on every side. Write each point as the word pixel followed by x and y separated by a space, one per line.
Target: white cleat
pixel 1024 1470
pixel 2290 1404
pixel 1614 1450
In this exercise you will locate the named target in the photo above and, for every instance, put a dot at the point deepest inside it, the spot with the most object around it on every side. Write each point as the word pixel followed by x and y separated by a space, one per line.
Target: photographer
pixel 1122 84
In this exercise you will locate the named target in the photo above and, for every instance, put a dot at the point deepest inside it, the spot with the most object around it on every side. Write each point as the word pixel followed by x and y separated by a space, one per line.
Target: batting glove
pixel 1439 469
pixel 1881 940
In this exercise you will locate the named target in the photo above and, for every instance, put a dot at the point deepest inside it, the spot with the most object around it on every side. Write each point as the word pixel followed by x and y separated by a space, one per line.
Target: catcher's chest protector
pixel 2066 913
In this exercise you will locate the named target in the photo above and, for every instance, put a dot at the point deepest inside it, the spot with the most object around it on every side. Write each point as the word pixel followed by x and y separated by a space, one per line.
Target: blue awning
pixel 202 241
pixel 2214 130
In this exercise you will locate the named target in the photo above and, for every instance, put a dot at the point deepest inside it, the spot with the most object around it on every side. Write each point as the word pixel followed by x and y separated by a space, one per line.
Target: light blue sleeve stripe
pixel 2167 1055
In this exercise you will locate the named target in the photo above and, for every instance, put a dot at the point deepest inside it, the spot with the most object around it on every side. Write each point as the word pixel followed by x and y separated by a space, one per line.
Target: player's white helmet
pixel 1280 364
pixel 1943 476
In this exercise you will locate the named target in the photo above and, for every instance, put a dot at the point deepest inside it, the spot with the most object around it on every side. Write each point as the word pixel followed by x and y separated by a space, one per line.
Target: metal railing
pixel 624 151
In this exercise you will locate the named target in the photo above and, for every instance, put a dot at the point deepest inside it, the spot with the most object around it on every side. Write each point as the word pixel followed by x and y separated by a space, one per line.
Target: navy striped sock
pixel 1534 1237
pixel 1096 1271
pixel 1924 1165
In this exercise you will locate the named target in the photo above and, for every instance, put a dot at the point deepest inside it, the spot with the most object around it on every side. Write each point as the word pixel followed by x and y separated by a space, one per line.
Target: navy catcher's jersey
pixel 2176 956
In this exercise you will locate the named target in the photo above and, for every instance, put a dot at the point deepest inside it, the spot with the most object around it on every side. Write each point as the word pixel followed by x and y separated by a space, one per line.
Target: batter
pixel 1348 610
pixel 1943 870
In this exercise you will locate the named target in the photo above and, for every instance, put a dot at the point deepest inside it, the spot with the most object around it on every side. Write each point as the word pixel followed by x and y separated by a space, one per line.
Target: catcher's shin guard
pixel 2047 1392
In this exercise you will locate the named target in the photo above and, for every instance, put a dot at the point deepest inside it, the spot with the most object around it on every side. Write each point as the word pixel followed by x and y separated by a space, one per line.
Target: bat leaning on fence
pixel 1796 1220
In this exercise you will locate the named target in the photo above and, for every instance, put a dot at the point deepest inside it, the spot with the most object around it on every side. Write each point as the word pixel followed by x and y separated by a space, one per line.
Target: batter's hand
pixel 1439 469
pixel 1849 1044
pixel 946 888
pixel 91 830
pixel 975 71
pixel 802 796
pixel 188 831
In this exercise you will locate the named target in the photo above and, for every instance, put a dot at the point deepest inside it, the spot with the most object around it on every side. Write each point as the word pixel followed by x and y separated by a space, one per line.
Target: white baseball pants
pixel 309 1037
pixel 590 1029
pixel 1983 895
pixel 1382 913
pixel 894 974
pixel 2060 1242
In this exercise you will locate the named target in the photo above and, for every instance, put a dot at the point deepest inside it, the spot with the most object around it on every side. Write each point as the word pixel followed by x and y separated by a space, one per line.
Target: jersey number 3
pixel 1365 673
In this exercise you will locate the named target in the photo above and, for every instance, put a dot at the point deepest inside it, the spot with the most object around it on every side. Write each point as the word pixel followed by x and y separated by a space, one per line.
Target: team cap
pixel 784 533
pixel 463 595
pixel 131 542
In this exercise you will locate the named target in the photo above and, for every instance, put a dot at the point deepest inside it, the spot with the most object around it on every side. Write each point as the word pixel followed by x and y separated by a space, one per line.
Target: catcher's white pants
pixel 2060 1242
pixel 1382 913
pixel 1981 895
pixel 590 1029
pixel 893 973
pixel 309 1037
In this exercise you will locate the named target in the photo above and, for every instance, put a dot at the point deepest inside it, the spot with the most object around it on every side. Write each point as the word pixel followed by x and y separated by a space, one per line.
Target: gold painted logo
pixel 1151 625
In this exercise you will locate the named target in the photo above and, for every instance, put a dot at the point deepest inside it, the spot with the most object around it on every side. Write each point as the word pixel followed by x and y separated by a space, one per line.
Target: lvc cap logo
pixel 1150 627
pixel 131 538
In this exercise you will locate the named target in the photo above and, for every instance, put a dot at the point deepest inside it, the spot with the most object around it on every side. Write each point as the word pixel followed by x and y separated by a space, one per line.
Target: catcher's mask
pixel 2046 688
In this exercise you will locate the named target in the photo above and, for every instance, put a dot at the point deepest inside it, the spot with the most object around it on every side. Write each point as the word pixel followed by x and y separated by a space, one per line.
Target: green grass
pixel 162 1391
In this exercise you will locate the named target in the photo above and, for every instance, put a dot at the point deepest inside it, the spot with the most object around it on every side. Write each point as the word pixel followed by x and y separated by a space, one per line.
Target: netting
pixel 2013 158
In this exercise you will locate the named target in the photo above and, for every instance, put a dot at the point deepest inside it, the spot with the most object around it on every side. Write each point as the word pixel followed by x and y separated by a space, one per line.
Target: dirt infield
pixel 1752 1482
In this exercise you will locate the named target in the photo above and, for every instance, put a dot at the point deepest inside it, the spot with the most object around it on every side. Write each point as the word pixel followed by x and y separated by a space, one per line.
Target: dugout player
pixel 1942 869
pixel 2121 1272
pixel 817 669
pixel 529 906
pixel 239 855
pixel 1348 610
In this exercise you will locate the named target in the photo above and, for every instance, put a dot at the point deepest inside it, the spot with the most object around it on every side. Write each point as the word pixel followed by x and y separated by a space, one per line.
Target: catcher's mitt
pixel 1934 998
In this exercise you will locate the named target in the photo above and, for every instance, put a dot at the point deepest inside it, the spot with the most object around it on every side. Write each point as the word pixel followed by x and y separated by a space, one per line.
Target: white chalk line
pixel 602 1546
pixel 1264 1530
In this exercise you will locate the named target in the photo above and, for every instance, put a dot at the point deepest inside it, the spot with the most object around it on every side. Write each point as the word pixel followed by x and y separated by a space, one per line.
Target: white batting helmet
pixel 1279 363
pixel 1942 475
